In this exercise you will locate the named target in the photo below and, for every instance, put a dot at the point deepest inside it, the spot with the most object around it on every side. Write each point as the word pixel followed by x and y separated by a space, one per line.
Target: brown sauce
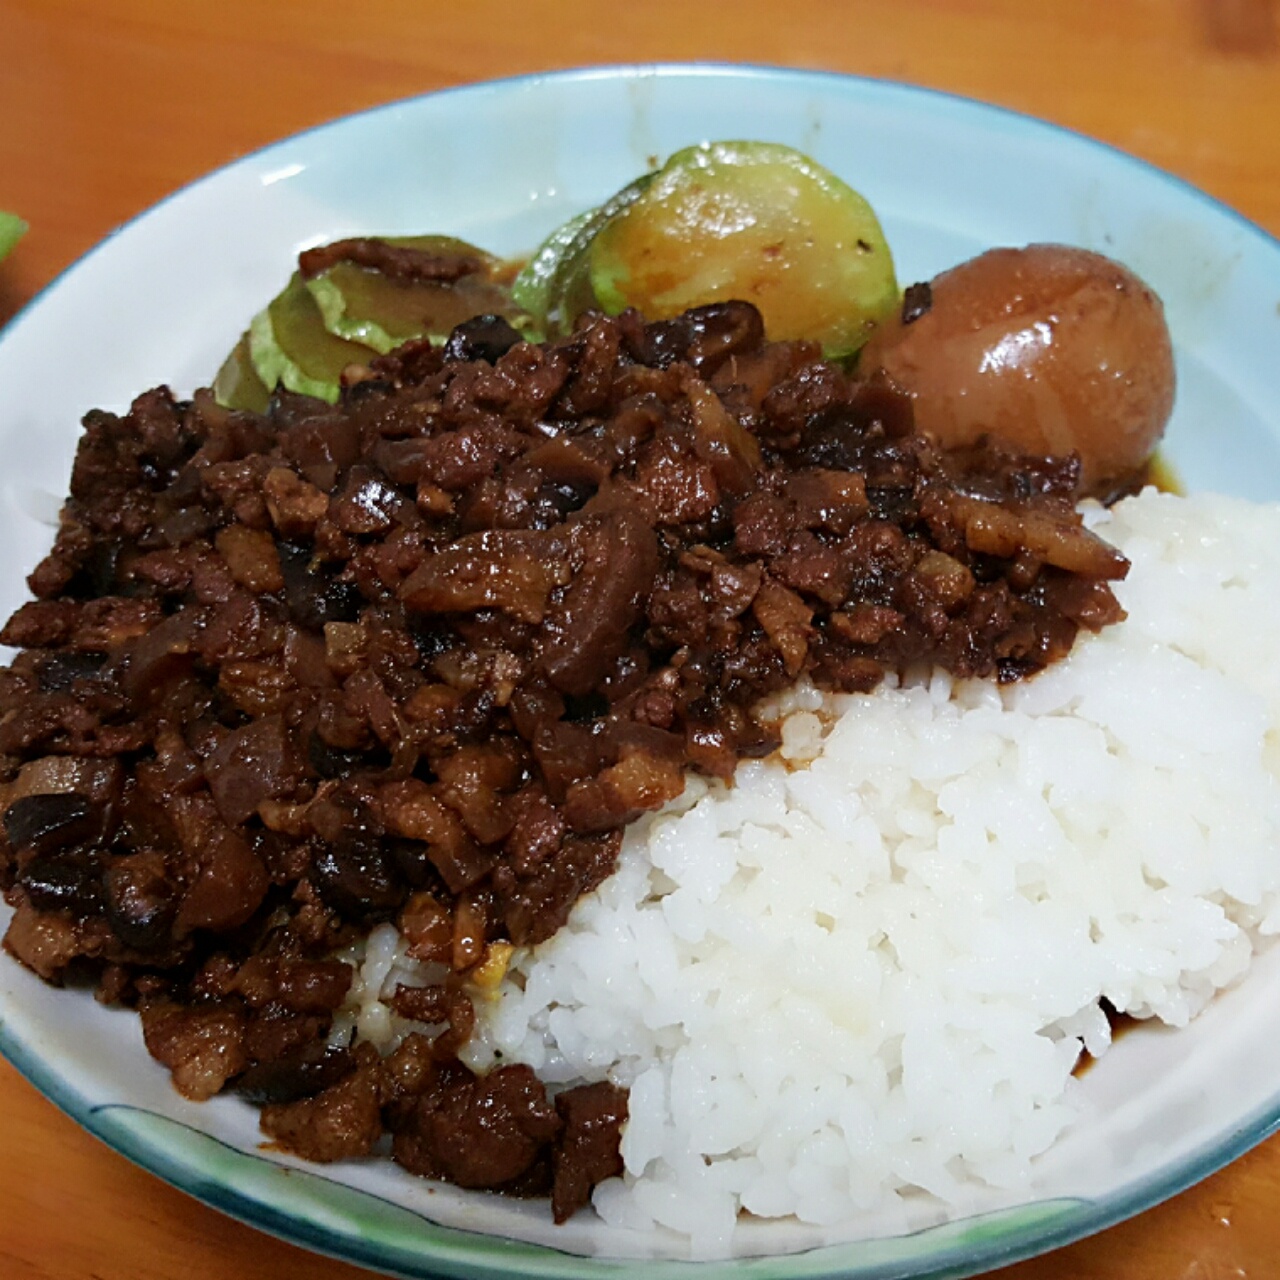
pixel 1161 474
pixel 1120 1023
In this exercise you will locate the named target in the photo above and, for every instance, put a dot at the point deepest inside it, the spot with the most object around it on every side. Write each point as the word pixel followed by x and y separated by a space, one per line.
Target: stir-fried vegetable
pixel 290 345
pixel 12 229
pixel 356 299
pixel 753 221
pixel 555 287
pixel 369 306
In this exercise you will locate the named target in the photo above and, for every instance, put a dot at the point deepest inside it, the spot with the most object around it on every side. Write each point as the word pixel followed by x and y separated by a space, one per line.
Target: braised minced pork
pixel 420 657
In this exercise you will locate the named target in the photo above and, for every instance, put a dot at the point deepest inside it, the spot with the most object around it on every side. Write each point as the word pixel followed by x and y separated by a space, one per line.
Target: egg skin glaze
pixel 1049 349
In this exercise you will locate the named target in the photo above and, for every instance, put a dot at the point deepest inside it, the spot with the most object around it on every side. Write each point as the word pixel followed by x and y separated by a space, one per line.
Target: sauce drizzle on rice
pixel 420 657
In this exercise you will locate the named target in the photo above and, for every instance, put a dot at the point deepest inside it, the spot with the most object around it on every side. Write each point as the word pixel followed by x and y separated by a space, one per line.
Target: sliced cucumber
pixel 554 287
pixel 237 385
pixel 364 305
pixel 726 220
pixel 12 229
pixel 755 221
pixel 290 346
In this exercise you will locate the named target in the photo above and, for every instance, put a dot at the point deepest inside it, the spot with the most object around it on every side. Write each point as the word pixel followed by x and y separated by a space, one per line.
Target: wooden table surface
pixel 108 105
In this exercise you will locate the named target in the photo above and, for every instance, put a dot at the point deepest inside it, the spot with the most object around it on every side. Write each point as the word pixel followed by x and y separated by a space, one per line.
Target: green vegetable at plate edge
pixel 12 229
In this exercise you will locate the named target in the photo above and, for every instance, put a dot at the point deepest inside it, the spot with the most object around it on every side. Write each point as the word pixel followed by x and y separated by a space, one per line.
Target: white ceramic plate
pixel 501 164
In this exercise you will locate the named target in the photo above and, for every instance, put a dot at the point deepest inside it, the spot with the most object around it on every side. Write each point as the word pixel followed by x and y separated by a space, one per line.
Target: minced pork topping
pixel 420 656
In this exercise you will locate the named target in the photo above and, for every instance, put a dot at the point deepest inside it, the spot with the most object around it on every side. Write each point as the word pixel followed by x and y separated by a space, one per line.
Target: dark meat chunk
pixel 587 1152
pixel 96 625
pixel 165 656
pixel 52 820
pixel 303 986
pixel 224 879
pixel 412 809
pixel 426 924
pixel 251 765
pixel 786 620
pixel 638 783
pixel 45 941
pixel 321 443
pixel 251 556
pixel 589 629
pixel 472 783
pixel 510 570
pixel 342 1122
pixel 203 1046
pixel 481 1132
pixel 141 899
pixel 397 262
pixel 301 1074
pixel 456 459
pixel 675 488
pixel 534 907
pixel 437 1005
pixel 368 503
pixel 537 831
pixel 294 505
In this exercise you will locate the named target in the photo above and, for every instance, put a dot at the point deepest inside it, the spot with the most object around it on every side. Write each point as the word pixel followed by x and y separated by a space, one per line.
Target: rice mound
pixel 860 977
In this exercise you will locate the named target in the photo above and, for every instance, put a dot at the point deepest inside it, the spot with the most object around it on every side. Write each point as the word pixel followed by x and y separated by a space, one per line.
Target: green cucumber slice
pixel 290 346
pixel 237 385
pixel 755 221
pixel 555 285
pixel 365 306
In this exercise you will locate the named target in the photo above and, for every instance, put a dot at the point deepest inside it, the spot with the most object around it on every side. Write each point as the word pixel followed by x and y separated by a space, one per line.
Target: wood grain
pixel 108 105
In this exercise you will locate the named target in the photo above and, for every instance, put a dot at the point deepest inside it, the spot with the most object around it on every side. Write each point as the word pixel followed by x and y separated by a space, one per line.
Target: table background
pixel 108 105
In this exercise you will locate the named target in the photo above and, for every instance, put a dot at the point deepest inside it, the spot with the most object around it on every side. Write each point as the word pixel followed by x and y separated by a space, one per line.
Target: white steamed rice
pixel 860 977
